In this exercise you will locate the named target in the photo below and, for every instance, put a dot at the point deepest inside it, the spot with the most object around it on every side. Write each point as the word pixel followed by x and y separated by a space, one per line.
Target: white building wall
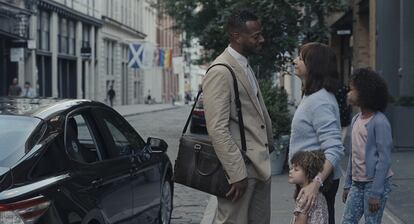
pixel 293 87
pixel 196 72
pixel 125 23
pixel 153 82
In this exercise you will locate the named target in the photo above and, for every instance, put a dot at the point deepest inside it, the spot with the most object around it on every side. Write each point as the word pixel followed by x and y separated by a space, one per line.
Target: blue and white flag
pixel 141 55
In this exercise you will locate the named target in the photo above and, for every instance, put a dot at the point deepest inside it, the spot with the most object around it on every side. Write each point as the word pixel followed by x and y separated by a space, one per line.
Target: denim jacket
pixel 377 153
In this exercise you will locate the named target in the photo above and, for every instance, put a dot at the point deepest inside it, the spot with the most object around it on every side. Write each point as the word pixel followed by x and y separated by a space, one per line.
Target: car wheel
pixel 166 201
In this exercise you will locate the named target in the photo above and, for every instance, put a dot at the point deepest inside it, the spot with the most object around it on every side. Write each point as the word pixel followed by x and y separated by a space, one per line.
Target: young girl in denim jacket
pixel 367 183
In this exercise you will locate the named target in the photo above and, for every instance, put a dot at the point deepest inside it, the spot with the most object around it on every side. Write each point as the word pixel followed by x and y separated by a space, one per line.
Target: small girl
pixel 367 183
pixel 305 166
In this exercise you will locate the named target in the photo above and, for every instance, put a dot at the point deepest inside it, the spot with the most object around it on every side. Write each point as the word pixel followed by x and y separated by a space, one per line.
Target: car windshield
pixel 14 132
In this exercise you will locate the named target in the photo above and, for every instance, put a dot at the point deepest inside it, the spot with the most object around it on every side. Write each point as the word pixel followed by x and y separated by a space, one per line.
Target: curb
pixel 390 215
pixel 150 111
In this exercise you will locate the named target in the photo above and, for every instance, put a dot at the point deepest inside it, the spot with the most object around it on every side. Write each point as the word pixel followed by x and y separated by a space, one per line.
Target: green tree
pixel 276 101
pixel 284 25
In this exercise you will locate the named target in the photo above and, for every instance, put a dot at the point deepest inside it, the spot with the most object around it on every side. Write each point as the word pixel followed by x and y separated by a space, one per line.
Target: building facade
pixel 168 39
pixel 64 61
pixel 123 24
pixel 14 33
pixel 381 37
pixel 80 48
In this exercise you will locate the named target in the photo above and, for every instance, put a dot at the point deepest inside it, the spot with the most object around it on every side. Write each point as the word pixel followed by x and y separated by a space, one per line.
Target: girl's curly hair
pixel 372 89
pixel 311 162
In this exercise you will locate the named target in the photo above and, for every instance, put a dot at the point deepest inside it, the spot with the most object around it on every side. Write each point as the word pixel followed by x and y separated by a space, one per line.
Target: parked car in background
pixel 79 161
pixel 198 121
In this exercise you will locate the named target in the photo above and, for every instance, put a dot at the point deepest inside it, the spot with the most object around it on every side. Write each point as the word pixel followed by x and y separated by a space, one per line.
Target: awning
pixel 343 23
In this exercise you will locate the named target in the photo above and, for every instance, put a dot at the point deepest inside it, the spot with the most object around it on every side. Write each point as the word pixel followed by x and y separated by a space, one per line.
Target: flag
pixel 168 59
pixel 141 55
pixel 161 58
pixel 135 55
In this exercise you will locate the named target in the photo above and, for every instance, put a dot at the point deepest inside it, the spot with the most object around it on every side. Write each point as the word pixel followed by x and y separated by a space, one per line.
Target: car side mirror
pixel 157 144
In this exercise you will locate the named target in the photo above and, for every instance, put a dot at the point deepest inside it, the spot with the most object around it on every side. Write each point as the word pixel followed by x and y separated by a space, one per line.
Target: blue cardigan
pixel 377 153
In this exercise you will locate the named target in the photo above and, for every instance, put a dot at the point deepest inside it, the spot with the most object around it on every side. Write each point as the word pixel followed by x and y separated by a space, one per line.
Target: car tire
pixel 166 204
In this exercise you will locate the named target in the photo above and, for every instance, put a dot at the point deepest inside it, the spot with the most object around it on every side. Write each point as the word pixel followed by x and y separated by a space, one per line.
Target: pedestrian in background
pixel 28 91
pixel 316 122
pixel 15 89
pixel 305 166
pixel 368 178
pixel 111 95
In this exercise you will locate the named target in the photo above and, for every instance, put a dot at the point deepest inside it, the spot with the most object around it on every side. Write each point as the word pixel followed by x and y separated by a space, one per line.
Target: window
pixel 109 56
pixel 124 139
pixel 112 57
pixel 43 30
pixel 72 43
pixel 13 138
pixel 51 161
pixel 63 35
pixel 86 36
pixel 80 144
pixel 66 36
pixel 106 55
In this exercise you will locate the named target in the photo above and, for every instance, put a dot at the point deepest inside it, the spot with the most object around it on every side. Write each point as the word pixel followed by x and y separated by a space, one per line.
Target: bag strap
pixel 238 107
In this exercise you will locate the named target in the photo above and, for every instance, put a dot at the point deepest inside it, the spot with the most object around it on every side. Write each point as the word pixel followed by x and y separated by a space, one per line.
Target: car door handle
pixel 97 183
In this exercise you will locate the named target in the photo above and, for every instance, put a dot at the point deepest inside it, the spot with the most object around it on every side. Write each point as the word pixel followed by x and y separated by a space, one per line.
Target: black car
pixel 79 161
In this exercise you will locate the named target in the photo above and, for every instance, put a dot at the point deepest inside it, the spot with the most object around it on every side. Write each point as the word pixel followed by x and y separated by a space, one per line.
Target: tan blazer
pixel 222 122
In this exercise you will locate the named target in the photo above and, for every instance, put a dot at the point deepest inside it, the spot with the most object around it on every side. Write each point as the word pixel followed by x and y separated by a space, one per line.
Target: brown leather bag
pixel 197 165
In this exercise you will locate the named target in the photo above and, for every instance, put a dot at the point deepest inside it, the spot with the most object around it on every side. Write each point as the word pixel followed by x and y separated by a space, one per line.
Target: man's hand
pixel 345 195
pixel 374 204
pixel 237 190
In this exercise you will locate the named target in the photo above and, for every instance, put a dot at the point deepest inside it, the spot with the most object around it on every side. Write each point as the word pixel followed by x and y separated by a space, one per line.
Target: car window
pixel 123 146
pixel 84 135
pixel 51 162
pixel 80 144
pixel 124 139
pixel 14 133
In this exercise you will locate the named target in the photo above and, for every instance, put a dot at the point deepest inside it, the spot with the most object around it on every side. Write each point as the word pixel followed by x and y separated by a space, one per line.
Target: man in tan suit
pixel 249 197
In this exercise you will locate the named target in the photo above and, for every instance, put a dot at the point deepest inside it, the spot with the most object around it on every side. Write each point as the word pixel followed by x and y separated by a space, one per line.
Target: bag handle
pixel 238 107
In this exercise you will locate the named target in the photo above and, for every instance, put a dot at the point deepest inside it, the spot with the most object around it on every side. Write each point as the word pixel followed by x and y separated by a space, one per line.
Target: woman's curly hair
pixel 372 89
pixel 311 162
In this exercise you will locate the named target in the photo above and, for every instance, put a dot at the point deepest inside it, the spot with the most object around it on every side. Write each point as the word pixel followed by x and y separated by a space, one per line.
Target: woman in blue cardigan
pixel 316 123
pixel 368 178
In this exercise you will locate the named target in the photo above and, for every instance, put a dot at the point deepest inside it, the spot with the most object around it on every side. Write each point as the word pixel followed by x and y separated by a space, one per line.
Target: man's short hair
pixel 237 20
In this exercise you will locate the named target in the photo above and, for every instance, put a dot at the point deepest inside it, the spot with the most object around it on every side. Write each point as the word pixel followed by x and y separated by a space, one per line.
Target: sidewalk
pixel 136 109
pixel 401 201
pixel 400 205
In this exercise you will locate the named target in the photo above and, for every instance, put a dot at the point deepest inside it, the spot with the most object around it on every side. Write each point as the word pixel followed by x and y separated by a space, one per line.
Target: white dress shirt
pixel 244 63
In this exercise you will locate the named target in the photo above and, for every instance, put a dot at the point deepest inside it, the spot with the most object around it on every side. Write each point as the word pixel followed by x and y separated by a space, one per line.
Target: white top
pixel 359 140
pixel 244 63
